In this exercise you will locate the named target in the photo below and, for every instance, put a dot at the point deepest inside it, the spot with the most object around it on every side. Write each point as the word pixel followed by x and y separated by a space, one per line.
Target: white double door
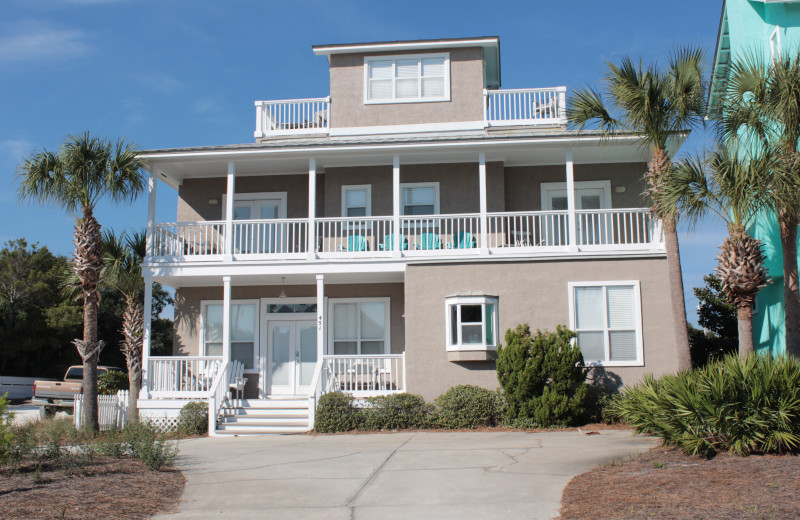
pixel 291 354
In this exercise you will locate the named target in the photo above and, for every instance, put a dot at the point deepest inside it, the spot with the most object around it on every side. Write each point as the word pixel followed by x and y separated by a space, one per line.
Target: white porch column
pixel 311 247
pixel 484 247
pixel 572 223
pixel 320 317
pixel 147 336
pixel 151 212
pixel 398 246
pixel 226 318
pixel 229 212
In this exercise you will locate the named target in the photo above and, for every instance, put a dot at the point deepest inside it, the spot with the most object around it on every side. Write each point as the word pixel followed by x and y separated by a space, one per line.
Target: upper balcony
pixel 501 108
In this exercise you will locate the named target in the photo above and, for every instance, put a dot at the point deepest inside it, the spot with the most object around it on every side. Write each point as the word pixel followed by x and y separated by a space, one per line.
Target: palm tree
pixel 657 105
pixel 85 170
pixel 123 259
pixel 762 114
pixel 731 190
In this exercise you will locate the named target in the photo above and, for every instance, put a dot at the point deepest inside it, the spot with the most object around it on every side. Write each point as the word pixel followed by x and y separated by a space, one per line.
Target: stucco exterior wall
pixel 532 292
pixel 347 93
pixel 523 190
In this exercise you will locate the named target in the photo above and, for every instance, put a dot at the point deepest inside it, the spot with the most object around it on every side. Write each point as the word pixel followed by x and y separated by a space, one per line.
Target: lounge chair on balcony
pixel 429 241
pixel 388 242
pixel 463 240
pixel 355 243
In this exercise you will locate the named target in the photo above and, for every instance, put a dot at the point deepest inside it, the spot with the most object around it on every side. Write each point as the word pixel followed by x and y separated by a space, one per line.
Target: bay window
pixel 471 322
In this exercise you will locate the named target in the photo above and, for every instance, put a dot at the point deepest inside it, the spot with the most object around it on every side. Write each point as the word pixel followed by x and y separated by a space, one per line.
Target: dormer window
pixel 407 78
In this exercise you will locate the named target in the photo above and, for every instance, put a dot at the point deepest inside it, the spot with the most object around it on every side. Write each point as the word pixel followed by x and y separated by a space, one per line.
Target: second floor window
pixel 407 78
pixel 421 198
pixel 356 201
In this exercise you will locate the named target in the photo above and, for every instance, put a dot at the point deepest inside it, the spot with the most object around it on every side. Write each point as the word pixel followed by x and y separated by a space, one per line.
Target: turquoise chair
pixel 464 240
pixel 355 243
pixel 388 242
pixel 429 241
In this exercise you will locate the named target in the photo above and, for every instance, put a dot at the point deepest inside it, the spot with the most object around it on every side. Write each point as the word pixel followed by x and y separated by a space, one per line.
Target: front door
pixel 591 226
pixel 292 356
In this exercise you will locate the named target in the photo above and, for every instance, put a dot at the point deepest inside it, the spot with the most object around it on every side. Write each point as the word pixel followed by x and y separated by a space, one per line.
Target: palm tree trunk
pixel 744 317
pixel 683 354
pixel 791 289
pixel 132 330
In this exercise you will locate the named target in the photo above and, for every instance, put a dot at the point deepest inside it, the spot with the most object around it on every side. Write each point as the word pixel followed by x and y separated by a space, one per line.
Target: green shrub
pixel 542 376
pixel 111 382
pixel 468 406
pixel 193 419
pixel 598 405
pixel 395 412
pixel 335 413
pixel 6 432
pixel 742 405
pixel 148 445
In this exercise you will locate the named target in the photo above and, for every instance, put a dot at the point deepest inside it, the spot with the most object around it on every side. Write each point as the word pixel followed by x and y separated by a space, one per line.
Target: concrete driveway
pixel 458 475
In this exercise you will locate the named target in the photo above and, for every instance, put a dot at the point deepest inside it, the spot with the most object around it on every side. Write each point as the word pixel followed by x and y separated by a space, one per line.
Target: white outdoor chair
pixel 237 380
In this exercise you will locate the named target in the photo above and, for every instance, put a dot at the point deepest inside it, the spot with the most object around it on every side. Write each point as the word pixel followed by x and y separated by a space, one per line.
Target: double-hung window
pixel 407 78
pixel 471 322
pixel 360 327
pixel 244 331
pixel 356 201
pixel 420 198
pixel 607 318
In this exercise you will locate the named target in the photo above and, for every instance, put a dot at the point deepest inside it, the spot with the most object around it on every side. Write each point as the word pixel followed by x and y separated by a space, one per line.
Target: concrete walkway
pixel 441 475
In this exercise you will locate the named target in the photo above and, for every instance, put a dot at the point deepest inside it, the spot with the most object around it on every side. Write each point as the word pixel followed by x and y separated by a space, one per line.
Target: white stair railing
pixel 217 396
pixel 182 376
pixel 292 116
pixel 525 106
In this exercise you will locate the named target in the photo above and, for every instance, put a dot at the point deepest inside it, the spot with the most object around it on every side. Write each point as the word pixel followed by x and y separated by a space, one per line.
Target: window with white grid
pixel 407 78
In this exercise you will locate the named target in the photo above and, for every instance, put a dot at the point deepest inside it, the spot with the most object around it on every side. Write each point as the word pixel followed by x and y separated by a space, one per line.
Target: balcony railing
pixel 292 117
pixel 182 376
pixel 364 376
pixel 417 235
pixel 525 106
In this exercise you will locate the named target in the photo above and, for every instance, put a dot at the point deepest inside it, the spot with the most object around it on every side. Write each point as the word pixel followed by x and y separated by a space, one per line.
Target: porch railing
pixel 182 376
pixel 260 237
pixel 202 238
pixel 525 106
pixel 364 376
pixel 292 116
pixel 431 233
pixel 217 395
pixel 618 228
pixel 354 235
pixel 529 229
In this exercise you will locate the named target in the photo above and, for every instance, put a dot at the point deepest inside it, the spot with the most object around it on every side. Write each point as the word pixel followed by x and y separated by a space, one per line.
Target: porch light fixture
pixel 213 202
pixel 282 296
pixel 620 189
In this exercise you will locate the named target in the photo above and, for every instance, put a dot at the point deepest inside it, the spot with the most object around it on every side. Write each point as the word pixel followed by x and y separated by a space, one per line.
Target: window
pixel 244 326
pixel 607 319
pixel 421 198
pixel 471 322
pixel 357 201
pixel 407 78
pixel 360 327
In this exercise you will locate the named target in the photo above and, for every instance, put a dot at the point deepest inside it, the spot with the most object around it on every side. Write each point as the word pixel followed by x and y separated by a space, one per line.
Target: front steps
pixel 285 414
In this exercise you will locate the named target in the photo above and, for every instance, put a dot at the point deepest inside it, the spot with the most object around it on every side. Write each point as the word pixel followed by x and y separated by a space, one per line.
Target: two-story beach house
pixel 764 28
pixel 382 239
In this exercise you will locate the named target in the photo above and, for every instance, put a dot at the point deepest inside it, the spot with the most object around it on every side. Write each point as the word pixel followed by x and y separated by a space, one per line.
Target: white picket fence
pixel 113 410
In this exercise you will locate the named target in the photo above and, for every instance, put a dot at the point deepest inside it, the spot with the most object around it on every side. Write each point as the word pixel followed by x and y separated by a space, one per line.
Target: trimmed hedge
pixel 335 413
pixel 193 419
pixel 395 412
pixel 468 406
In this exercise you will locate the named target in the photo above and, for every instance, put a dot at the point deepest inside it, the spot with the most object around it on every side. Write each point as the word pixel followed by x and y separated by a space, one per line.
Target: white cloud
pixel 32 41
pixel 161 82
pixel 13 150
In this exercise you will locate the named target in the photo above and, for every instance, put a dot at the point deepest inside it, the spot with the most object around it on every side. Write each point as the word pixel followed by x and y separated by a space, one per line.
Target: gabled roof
pixel 490 44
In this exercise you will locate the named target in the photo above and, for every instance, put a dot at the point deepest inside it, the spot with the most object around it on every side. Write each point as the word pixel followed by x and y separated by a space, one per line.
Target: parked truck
pixel 50 396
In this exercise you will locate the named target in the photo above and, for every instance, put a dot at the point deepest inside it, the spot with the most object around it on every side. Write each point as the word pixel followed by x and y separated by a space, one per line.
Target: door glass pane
pixel 623 345
pixel 471 334
pixel 243 351
pixel 269 211
pixel 620 307
pixel 589 307
pixel 213 324
pixel 291 308
pixel 213 349
pixel 345 348
pixel 372 348
pixel 243 322
pixel 281 344
pixel 308 353
pixel 592 346
pixel 345 321
pixel 590 202
pixel 373 320
pixel 559 203
pixel 241 213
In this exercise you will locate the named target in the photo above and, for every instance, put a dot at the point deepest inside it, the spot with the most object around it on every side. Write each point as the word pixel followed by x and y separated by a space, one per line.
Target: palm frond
pixel 586 107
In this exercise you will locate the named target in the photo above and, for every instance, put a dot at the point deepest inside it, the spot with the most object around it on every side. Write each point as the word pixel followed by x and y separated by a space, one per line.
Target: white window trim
pixel 549 187
pixel 387 342
pixel 456 346
pixel 637 320
pixel 282 196
pixel 356 187
pixel 434 185
pixel 257 330
pixel 445 97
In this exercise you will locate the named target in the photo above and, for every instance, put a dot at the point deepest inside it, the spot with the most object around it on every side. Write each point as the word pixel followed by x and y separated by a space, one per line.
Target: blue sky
pixel 171 73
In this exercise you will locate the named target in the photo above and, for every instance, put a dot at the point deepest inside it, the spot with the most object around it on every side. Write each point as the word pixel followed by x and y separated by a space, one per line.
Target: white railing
pixel 292 116
pixel 217 396
pixel 182 376
pixel 618 228
pixel 529 229
pixel 364 376
pixel 354 235
pixel 525 106
pixel 433 233
pixel 202 238
pixel 280 237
